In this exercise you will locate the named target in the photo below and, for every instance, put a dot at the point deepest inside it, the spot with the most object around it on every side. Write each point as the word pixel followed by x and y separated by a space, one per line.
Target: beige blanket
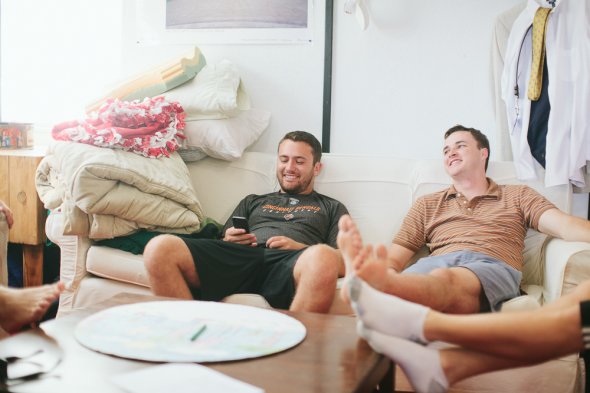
pixel 104 193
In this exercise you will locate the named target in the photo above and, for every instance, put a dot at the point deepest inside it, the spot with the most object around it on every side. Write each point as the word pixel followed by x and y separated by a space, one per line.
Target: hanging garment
pixel 539 120
pixel 149 128
pixel 539 28
pixel 500 33
pixel 568 62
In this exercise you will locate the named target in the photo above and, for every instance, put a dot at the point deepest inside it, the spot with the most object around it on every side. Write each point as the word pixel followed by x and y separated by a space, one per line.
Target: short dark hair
pixel 302 136
pixel 482 140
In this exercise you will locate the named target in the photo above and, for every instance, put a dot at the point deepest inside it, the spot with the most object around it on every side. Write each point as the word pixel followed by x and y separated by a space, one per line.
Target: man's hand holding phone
pixel 240 232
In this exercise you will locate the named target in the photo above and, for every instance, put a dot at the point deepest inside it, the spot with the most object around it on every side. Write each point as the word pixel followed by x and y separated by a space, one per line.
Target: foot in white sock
pixel 420 364
pixel 385 313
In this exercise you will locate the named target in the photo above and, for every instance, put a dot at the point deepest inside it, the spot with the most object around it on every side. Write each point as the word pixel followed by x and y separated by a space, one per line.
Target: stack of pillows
pixel 219 120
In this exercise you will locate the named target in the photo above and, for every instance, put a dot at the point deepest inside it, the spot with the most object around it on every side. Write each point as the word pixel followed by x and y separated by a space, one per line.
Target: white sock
pixel 420 364
pixel 385 313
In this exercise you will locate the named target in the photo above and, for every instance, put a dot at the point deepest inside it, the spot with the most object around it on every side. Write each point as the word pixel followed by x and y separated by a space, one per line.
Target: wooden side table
pixel 17 190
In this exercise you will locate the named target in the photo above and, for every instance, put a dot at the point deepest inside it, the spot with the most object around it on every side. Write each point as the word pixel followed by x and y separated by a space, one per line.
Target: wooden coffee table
pixel 332 358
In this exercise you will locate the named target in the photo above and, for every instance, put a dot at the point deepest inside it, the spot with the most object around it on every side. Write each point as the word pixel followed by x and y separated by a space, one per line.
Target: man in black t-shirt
pixel 290 256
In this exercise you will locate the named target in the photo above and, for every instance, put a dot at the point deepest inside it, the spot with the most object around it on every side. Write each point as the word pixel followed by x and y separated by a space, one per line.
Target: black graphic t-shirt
pixel 309 219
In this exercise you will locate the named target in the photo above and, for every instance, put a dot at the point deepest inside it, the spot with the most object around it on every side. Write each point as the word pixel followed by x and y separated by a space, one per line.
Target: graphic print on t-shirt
pixel 308 219
pixel 278 209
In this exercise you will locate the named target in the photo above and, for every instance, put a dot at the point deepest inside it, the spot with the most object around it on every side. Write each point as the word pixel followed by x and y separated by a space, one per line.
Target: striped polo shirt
pixel 494 224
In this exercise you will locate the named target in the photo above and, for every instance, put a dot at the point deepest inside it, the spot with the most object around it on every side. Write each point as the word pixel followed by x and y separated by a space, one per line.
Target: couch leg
pixel 387 383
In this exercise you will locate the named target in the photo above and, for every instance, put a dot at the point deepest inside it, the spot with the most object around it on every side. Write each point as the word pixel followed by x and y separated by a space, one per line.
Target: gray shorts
pixel 499 281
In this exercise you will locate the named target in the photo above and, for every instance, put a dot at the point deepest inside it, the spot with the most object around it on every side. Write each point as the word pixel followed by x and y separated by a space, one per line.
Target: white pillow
pixel 215 93
pixel 226 139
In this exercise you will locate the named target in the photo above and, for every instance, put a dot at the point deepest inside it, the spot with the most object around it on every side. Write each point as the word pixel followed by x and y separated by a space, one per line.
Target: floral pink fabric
pixel 150 128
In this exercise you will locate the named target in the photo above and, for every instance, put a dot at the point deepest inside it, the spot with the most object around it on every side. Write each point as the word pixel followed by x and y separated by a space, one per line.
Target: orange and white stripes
pixel 494 224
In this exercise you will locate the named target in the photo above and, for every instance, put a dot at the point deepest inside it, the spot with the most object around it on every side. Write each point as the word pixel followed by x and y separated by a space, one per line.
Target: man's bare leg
pixel 170 267
pixel 523 336
pixel 315 275
pixel 432 370
pixel 19 307
pixel 455 290
pixel 550 331
pixel 526 336
pixel 459 363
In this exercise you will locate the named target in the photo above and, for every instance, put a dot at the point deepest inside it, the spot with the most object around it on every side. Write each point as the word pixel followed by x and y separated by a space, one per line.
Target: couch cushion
pixel 371 187
pixel 221 185
pixel 118 265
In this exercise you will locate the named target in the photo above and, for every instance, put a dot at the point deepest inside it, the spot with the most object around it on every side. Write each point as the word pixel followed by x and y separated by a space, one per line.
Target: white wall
pixel 56 56
pixel 419 68
pixel 286 80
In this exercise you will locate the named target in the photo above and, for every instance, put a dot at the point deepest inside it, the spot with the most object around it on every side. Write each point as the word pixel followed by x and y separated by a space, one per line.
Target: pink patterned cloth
pixel 150 128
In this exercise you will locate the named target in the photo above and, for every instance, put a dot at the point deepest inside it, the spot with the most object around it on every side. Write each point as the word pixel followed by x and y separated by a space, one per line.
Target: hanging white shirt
pixel 567 44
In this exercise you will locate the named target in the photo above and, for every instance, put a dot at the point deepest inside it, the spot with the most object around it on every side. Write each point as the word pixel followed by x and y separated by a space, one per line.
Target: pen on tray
pixel 198 332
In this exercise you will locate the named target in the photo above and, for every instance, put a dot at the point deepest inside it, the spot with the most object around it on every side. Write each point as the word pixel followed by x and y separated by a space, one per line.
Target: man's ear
pixel 317 168
pixel 487 152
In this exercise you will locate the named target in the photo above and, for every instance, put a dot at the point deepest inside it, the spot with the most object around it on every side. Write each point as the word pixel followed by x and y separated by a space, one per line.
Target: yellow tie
pixel 539 27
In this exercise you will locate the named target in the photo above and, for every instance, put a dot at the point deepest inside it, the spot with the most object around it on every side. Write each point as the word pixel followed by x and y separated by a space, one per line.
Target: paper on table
pixel 181 378
pixel 31 352
pixel 41 362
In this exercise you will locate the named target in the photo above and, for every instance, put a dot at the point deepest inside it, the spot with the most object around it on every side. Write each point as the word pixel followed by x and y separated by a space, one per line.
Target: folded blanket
pixel 149 128
pixel 104 193
pixel 135 244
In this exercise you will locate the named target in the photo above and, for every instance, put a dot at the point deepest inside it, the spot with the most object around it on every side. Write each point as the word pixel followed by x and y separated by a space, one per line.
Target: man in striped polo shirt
pixel 475 231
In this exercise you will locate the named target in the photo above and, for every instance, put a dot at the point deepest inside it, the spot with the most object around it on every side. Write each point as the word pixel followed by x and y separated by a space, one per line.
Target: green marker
pixel 198 332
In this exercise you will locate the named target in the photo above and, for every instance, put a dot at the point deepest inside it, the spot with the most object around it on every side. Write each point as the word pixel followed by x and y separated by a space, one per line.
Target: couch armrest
pixel 72 262
pixel 567 264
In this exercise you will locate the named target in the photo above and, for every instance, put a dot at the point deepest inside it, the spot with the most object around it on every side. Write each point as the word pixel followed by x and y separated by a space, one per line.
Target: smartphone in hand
pixel 241 223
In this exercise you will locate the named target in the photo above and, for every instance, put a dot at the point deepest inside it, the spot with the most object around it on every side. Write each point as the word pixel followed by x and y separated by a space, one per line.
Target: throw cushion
pixel 226 139
pixel 215 93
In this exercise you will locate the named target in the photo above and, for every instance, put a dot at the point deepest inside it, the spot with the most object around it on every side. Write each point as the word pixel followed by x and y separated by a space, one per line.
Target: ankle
pixel 448 366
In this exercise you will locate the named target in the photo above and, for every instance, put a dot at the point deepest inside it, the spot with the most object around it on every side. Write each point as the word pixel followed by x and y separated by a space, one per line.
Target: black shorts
pixel 226 268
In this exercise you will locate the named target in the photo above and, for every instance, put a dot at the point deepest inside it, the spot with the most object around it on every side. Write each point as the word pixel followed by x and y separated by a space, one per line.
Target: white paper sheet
pixel 31 352
pixel 181 378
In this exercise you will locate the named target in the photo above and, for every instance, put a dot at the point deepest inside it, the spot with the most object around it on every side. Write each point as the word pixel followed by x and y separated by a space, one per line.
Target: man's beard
pixel 300 186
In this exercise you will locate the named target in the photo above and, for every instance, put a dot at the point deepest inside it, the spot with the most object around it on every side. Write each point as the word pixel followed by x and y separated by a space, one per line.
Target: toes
pixel 381 252
pixel 359 259
pixel 344 222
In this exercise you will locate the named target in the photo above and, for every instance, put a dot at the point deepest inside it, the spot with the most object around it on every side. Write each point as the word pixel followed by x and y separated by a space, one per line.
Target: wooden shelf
pixel 17 190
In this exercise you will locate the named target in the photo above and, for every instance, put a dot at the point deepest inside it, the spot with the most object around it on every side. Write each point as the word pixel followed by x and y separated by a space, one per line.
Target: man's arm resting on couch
pixel 558 224
pixel 398 257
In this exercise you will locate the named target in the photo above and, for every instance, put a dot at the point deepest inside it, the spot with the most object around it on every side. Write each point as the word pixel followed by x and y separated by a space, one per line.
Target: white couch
pixel 378 192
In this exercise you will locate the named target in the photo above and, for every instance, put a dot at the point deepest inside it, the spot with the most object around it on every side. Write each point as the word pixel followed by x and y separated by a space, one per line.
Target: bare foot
pixel 373 269
pixel 358 260
pixel 20 307
pixel 349 242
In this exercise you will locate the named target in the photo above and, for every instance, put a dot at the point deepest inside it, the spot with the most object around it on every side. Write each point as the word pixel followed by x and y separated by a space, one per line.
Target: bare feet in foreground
pixel 360 261
pixel 349 242
pixel 20 307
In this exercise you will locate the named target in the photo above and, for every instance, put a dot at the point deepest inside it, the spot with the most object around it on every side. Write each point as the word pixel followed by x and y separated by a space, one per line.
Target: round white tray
pixel 162 331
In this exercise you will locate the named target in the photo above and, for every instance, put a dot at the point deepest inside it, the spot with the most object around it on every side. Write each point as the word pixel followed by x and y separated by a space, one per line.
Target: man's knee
pixel 444 275
pixel 320 262
pixel 162 249
pixel 463 291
